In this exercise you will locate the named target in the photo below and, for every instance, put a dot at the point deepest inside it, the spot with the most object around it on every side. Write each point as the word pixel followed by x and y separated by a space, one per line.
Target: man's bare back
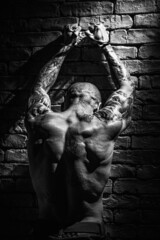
pixel 76 153
pixel 70 153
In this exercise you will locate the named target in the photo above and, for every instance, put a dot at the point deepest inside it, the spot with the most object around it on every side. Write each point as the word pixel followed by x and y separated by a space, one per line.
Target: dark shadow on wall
pixel 15 102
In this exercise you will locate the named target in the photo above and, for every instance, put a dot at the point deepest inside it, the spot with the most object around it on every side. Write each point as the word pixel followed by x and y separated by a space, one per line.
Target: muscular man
pixel 70 152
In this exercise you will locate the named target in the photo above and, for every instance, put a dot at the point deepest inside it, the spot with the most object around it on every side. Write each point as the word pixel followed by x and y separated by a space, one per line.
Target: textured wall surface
pixel 132 195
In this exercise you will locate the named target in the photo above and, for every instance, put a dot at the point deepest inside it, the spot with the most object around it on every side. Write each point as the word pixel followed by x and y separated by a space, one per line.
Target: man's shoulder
pixel 111 128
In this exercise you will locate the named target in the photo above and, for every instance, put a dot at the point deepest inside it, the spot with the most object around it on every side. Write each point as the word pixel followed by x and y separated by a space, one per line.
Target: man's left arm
pixel 119 105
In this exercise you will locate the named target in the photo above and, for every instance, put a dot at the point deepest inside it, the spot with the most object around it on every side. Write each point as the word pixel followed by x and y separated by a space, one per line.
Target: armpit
pixel 109 113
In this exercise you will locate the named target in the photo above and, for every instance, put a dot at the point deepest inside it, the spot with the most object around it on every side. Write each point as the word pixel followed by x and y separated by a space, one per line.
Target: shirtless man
pixel 70 152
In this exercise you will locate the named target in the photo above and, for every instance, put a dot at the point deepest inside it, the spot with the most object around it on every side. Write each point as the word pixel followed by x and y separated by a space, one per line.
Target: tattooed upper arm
pixel 118 107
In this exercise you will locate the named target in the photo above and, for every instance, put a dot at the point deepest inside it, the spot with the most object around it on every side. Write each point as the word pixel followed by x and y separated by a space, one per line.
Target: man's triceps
pixel 118 108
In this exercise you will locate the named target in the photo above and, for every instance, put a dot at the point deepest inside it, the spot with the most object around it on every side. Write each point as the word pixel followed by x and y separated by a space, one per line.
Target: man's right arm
pixel 39 100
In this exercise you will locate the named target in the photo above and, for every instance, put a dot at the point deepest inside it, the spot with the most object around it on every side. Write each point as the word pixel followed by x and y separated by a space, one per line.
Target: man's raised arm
pixel 119 104
pixel 39 99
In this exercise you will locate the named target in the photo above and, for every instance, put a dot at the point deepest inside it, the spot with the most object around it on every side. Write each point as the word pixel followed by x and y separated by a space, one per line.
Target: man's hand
pixel 72 34
pixel 98 34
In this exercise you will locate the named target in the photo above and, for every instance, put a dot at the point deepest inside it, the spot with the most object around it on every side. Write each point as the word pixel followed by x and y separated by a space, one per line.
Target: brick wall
pixel 132 195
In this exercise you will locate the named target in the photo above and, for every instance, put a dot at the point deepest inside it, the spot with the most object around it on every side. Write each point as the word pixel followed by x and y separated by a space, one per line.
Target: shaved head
pixel 82 89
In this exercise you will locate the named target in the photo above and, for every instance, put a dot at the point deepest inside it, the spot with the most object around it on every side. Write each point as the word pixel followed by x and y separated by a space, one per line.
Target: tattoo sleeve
pixel 119 104
pixel 47 78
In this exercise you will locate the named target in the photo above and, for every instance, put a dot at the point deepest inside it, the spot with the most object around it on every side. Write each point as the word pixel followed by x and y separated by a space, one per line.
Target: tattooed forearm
pixel 50 71
pixel 46 79
pixel 120 71
pixel 119 104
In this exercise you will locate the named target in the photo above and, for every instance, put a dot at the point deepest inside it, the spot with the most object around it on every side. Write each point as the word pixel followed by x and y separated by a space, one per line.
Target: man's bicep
pixel 118 108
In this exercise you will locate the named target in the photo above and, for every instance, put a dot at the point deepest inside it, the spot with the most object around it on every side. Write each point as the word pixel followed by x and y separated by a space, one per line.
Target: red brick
pixel 6 169
pixel 146 142
pixel 122 143
pixel 147 20
pixel 119 170
pixel 135 6
pixel 126 52
pixel 118 36
pixel 149 51
pixel 134 36
pixel 13 141
pixel 9 169
pixel 82 9
pixel 86 21
pixel 143 67
pixel 116 21
pixel 121 201
pixel 16 155
pixel 18 127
